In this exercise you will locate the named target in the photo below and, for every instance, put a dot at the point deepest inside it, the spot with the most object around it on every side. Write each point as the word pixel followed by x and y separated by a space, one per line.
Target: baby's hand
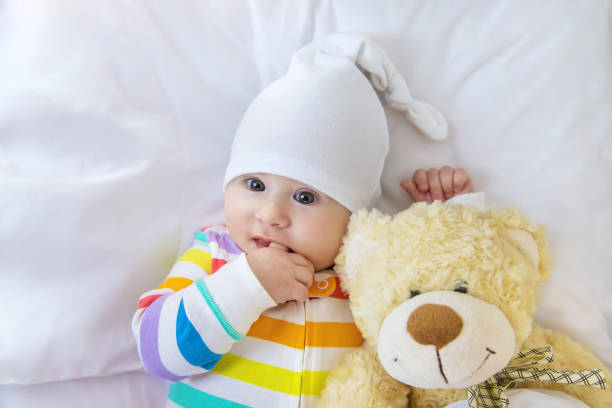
pixel 435 184
pixel 285 276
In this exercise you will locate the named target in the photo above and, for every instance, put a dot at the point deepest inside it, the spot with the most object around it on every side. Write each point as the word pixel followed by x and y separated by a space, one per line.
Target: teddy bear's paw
pixel 421 398
pixel 359 381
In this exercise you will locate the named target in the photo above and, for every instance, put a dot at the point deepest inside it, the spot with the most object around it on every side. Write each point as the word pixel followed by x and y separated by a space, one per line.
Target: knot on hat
pixel 383 75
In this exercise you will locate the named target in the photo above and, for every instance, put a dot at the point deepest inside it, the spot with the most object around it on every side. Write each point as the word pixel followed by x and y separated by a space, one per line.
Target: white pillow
pixel 116 121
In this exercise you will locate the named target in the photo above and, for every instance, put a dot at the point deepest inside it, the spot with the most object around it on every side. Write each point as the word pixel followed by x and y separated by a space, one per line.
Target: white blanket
pixel 116 120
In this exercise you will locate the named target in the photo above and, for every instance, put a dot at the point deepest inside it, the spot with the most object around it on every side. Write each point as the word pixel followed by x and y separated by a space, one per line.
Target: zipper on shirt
pixel 307 313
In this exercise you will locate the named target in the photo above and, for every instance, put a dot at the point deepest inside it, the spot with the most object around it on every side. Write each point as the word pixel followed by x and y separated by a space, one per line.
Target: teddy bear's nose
pixel 434 324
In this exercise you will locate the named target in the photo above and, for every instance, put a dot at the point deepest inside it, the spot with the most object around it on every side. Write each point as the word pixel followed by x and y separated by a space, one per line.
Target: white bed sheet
pixel 116 120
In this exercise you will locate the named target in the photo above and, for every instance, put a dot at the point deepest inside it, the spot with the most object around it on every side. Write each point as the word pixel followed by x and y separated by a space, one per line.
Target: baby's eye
pixel 255 184
pixel 305 197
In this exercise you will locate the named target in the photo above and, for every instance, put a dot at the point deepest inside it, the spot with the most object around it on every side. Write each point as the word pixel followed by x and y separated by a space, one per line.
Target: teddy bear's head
pixel 446 294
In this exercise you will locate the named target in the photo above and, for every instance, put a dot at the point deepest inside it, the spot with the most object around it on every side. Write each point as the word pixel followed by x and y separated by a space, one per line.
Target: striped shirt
pixel 213 330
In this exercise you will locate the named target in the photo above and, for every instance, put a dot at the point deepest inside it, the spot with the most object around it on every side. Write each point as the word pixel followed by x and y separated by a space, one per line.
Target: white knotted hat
pixel 323 124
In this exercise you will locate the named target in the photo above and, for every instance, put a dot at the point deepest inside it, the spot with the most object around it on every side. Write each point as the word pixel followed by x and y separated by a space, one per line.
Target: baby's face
pixel 262 208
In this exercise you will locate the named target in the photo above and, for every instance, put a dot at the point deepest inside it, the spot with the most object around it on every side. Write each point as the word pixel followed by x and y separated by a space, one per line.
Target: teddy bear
pixel 444 296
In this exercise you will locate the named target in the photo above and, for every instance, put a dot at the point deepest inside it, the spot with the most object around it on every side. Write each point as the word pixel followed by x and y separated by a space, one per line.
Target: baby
pixel 251 314
pixel 289 230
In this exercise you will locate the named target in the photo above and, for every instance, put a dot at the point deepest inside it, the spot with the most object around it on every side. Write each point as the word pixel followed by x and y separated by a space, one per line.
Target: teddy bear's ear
pixel 527 236
pixel 526 243
pixel 356 251
pixel 362 237
pixel 531 241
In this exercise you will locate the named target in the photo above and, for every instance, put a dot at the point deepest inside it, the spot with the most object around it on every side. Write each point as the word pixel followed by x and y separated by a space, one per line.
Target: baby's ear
pixel 364 234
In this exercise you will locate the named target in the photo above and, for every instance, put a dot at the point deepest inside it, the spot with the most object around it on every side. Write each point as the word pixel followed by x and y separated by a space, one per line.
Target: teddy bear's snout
pixel 434 324
pixel 445 339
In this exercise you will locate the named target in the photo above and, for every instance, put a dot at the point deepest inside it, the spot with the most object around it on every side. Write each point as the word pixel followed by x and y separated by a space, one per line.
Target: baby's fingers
pixel 305 276
pixel 301 261
pixel 300 292
pixel 413 191
pixel 420 179
pixel 462 182
pixel 435 185
pixel 446 180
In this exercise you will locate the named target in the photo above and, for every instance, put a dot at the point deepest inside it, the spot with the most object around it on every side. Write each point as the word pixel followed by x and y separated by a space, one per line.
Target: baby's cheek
pixel 329 249
pixel 322 237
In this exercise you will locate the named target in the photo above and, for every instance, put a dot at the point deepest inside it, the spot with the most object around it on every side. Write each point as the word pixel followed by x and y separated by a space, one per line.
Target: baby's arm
pixel 185 326
pixel 438 184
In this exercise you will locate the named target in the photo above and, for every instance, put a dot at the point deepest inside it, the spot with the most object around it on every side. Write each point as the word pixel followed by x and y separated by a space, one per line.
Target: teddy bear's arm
pixel 359 381
pixel 571 355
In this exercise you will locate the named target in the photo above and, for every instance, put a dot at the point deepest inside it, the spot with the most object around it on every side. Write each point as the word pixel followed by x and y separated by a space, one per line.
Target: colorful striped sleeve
pixel 185 325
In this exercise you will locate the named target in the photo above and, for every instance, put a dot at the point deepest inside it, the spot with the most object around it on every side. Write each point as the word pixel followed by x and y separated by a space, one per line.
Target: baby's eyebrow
pixel 250 176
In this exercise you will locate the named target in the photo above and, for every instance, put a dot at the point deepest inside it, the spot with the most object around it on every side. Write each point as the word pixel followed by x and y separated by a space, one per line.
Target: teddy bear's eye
pixel 461 286
pixel 414 293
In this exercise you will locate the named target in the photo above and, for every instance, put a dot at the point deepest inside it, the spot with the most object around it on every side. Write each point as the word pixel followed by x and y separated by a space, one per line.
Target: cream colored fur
pixel 432 247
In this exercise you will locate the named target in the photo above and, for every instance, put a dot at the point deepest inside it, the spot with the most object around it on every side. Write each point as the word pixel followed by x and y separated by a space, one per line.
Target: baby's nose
pixel 434 324
pixel 273 214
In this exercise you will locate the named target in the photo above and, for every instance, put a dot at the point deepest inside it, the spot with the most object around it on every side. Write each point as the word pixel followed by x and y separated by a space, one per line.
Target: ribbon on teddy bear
pixel 492 392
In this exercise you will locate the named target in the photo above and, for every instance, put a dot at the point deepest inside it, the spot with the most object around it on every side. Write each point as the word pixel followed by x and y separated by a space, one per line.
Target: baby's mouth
pixel 266 243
